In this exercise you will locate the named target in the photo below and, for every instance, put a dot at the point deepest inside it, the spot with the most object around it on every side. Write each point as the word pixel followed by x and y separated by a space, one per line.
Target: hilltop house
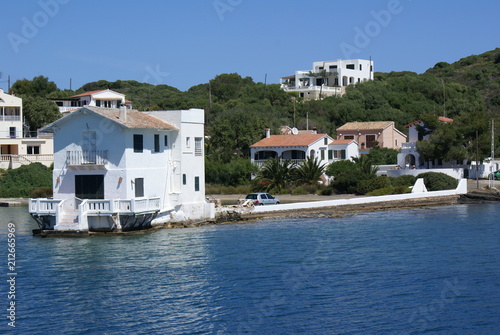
pixel 19 147
pixel 121 169
pixel 409 156
pixel 369 134
pixel 100 98
pixel 328 78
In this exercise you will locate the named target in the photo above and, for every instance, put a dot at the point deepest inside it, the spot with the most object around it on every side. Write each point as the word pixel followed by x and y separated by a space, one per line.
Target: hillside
pixel 480 72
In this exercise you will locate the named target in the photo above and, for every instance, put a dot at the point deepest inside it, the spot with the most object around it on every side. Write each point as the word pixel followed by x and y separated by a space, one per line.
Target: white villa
pixel 328 78
pixel 122 170
pixel 99 98
pixel 409 156
pixel 19 147
pixel 295 145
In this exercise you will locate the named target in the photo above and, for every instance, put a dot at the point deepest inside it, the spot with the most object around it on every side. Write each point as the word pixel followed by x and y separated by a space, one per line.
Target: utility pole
pixel 477 160
pixel 492 153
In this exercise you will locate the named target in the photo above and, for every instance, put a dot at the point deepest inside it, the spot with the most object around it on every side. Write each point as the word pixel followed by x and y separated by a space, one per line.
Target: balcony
pixel 87 158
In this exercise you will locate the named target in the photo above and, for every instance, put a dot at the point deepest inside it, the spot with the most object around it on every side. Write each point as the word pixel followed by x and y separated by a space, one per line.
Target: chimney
pixel 315 130
pixel 268 132
pixel 123 113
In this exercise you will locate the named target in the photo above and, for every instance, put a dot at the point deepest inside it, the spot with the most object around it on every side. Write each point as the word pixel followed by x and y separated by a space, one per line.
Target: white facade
pixel 124 170
pixel 101 98
pixel 328 78
pixel 342 150
pixel 18 147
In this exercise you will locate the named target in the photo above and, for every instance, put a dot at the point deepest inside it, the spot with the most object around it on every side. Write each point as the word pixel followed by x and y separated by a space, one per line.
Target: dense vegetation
pixel 26 181
pixel 239 109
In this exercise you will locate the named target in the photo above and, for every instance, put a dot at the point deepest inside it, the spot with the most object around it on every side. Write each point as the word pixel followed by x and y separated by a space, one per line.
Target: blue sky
pixel 185 43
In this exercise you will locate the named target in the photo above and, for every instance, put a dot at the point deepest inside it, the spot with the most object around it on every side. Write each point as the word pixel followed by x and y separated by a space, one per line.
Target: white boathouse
pixel 123 170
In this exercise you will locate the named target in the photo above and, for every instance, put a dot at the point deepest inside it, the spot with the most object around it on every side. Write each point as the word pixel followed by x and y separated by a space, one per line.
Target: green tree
pixel 39 112
pixel 276 174
pixel 310 171
pixel 383 156
pixel 39 86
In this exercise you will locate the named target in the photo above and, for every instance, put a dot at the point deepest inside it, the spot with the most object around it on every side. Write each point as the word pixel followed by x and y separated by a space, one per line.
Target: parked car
pixel 260 199
pixel 496 174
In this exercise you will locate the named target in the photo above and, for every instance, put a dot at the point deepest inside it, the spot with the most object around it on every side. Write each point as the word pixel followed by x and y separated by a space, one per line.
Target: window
pixel 33 149
pixel 348 137
pixel 333 67
pixel 325 140
pixel 360 67
pixel 89 140
pixel 350 66
pixel 138 146
pixel 165 141
pixel 396 142
pixel 196 184
pixel 12 132
pixel 188 142
pixel 342 154
pixel 139 187
pixel 98 103
pixel 157 142
pixel 198 146
pixel 184 180
pixel 370 141
pixel 322 154
pixel 330 154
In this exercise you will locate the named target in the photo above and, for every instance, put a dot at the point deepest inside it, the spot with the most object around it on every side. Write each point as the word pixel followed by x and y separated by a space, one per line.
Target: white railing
pixel 87 157
pixel 261 162
pixel 313 88
pixel 10 118
pixel 131 206
pixel 43 206
pixel 27 159
pixel 409 146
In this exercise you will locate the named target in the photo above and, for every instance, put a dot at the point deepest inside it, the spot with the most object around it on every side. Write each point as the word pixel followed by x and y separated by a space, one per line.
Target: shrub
pixel 400 189
pixel 22 181
pixel 366 186
pixel 300 190
pixel 42 192
pixel 437 181
pixel 404 180
pixel 327 191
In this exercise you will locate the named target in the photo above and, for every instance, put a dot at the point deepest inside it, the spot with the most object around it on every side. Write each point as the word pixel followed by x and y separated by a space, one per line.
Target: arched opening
pixel 312 154
pixel 409 161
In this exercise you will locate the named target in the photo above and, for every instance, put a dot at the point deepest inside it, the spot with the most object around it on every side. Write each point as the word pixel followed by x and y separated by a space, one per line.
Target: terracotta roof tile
pixel 84 94
pixel 288 140
pixel 342 142
pixel 365 125
pixel 135 119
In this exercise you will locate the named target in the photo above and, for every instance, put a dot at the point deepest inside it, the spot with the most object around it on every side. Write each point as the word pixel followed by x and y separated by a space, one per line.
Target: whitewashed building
pixel 17 146
pixel 122 170
pixel 328 78
pixel 409 157
pixel 294 147
pixel 100 98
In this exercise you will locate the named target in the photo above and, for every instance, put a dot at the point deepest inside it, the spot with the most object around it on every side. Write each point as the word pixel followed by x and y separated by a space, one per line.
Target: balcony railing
pixel 90 157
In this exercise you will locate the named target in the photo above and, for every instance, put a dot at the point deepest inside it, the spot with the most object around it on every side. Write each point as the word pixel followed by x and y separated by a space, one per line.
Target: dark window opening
pixel 157 143
pixel 196 184
pixel 89 186
pixel 139 187
pixel 138 143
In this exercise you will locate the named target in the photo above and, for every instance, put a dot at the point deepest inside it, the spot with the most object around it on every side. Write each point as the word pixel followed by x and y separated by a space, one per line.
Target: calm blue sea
pixel 422 271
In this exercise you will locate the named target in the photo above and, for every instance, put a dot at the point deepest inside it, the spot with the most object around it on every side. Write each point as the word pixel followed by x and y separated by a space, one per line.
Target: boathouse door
pixel 89 186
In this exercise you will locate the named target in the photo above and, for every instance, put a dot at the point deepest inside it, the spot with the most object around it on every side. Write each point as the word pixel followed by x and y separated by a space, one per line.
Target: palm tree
pixel 310 171
pixel 364 164
pixel 276 173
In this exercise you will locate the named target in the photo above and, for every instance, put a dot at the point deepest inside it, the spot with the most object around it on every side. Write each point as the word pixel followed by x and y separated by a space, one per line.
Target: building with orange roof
pixel 99 98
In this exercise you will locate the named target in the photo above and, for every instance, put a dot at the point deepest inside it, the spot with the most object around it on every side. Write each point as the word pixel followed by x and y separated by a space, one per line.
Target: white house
pixel 328 78
pixel 294 147
pixel 100 98
pixel 121 170
pixel 342 150
pixel 409 156
pixel 18 147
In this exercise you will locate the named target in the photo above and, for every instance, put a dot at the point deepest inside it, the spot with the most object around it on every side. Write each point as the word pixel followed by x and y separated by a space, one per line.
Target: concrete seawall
pixel 418 198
